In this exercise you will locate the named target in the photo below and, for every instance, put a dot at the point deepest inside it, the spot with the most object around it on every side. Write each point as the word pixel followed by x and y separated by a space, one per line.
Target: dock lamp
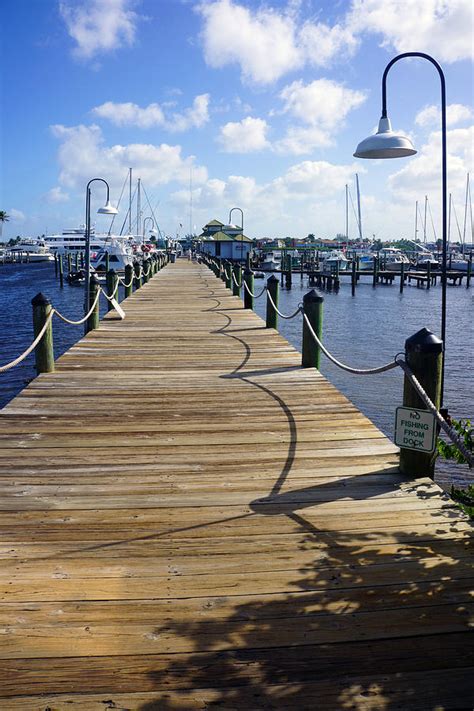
pixel 153 231
pixel 241 227
pixel 389 144
pixel 108 209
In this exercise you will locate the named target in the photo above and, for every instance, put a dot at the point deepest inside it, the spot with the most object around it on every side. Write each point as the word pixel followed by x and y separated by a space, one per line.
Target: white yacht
pixel 119 251
pixel 333 259
pixel 458 262
pixel 73 240
pixel 36 250
pixel 271 261
pixel 392 259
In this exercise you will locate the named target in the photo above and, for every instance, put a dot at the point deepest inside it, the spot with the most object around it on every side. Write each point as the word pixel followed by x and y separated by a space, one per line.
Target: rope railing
pixel 31 347
pixel 236 282
pixel 343 366
pixel 285 316
pixel 88 315
pixel 254 296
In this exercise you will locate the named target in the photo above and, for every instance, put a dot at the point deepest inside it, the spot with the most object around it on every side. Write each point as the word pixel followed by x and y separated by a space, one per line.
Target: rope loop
pixel 255 296
pixel 33 345
pixel 285 316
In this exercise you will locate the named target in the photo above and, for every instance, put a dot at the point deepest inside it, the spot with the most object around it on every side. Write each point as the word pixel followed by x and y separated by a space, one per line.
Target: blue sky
pixel 263 103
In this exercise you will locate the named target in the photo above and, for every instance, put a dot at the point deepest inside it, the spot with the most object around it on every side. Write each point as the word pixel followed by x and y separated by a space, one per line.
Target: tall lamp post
pixel 241 226
pixel 388 144
pixel 108 209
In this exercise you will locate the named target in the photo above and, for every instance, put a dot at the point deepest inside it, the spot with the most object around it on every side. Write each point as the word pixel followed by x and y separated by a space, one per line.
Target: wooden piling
pixel 354 277
pixel 249 281
pixel 424 355
pixel 228 274
pixel 61 273
pixel 469 272
pixel 56 265
pixel 44 353
pixel 375 274
pixel 237 272
pixel 93 321
pixel 69 262
pixel 111 281
pixel 128 280
pixel 273 290
pixel 313 308
pixel 402 277
pixel 137 279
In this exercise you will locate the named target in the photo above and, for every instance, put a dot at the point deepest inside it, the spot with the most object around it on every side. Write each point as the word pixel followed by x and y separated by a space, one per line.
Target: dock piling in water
pixel 44 353
pixel 249 280
pixel 313 308
pixel 272 290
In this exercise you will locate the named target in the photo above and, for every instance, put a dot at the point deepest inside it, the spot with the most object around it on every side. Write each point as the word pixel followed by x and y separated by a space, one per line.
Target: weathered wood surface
pixel 190 520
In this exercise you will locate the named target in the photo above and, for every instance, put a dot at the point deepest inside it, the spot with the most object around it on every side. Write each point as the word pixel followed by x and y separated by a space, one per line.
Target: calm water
pixel 364 331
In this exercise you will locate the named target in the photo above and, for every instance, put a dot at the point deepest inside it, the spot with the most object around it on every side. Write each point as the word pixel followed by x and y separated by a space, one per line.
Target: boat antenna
pixel 347 212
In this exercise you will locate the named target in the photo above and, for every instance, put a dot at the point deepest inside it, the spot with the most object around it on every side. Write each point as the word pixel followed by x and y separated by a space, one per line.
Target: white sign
pixel 415 429
pixel 118 308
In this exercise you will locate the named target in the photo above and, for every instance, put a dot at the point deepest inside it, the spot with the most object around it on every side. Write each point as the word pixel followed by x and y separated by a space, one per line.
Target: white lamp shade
pixel 385 144
pixel 108 209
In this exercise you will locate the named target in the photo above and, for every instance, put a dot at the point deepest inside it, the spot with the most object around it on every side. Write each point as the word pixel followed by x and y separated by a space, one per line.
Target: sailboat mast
pixel 416 219
pixel 358 207
pixel 191 201
pixel 465 214
pixel 129 201
pixel 347 212
pixel 424 221
pixel 449 217
pixel 139 208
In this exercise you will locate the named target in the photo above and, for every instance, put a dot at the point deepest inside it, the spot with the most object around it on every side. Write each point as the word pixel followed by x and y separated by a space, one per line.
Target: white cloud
pixel 267 44
pixel 82 154
pixel 16 215
pixel 322 105
pixel 244 136
pixel 439 27
pixel 56 195
pixel 455 113
pixel 129 114
pixel 99 26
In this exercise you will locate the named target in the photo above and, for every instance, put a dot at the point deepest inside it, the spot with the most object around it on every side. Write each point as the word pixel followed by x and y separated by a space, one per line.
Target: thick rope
pixel 235 281
pixel 124 284
pixel 82 320
pixel 254 296
pixel 355 371
pixel 113 294
pixel 450 431
pixel 31 347
pixel 269 296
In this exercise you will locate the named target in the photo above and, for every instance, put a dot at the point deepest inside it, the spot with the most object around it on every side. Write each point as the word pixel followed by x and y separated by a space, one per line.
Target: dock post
pixel 44 354
pixel 313 308
pixel 228 275
pixel 61 272
pixel 237 271
pixel 128 280
pixel 375 274
pixel 76 261
pixel 69 262
pixel 428 275
pixel 137 279
pixel 273 289
pixel 222 268
pixel 289 269
pixel 55 264
pixel 402 277
pixel 469 272
pixel 107 261
pixel 354 277
pixel 93 321
pixel 146 271
pixel 111 282
pixel 248 298
pixel 82 260
pixel 424 355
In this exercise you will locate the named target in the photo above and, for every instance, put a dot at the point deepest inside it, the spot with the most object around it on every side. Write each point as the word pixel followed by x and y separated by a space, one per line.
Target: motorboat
pixel 335 259
pixel 391 259
pixel 34 250
pixel 271 261
pixel 458 263
pixel 74 240
pixel 119 252
pixel 425 259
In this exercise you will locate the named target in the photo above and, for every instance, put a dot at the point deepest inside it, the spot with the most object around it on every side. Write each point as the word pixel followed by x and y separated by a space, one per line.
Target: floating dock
pixel 190 520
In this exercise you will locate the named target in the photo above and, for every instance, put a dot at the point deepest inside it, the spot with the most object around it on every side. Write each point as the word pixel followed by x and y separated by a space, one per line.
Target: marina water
pixel 364 330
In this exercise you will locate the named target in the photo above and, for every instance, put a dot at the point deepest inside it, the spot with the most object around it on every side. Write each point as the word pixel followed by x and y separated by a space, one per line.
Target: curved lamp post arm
pixel 241 214
pixel 444 172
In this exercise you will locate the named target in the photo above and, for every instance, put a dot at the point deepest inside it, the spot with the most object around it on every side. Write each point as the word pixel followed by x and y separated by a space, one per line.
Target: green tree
pixel 3 218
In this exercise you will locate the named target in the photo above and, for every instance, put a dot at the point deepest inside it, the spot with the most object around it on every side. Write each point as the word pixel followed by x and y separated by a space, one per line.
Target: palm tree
pixel 3 218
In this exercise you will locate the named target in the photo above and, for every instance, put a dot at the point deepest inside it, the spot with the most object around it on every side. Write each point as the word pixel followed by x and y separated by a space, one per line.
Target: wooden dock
pixel 189 520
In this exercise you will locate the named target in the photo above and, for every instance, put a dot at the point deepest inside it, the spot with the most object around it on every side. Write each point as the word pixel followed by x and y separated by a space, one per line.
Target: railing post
pixel 424 355
pixel 248 298
pixel 111 281
pixel 313 308
pixel 273 286
pixel 222 270
pixel 93 321
pixel 402 277
pixel 44 354
pixel 228 275
pixel 146 270
pixel 237 271
pixel 61 271
pixel 128 280
pixel 137 279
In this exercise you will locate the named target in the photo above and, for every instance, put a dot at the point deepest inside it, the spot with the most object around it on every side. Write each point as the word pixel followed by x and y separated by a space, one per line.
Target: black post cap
pixel 40 300
pixel 423 341
pixel 112 272
pixel 94 281
pixel 313 296
pixel 248 272
pixel 272 279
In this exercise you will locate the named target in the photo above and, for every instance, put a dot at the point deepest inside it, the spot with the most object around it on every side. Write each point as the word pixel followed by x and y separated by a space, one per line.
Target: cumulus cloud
pixel 99 26
pixel 266 43
pixel 455 113
pixel 16 215
pixel 244 136
pixel 439 27
pixel 129 114
pixel 56 195
pixel 83 153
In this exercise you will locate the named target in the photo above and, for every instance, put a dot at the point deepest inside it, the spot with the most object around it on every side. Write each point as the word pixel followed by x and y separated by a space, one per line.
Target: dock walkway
pixel 189 520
